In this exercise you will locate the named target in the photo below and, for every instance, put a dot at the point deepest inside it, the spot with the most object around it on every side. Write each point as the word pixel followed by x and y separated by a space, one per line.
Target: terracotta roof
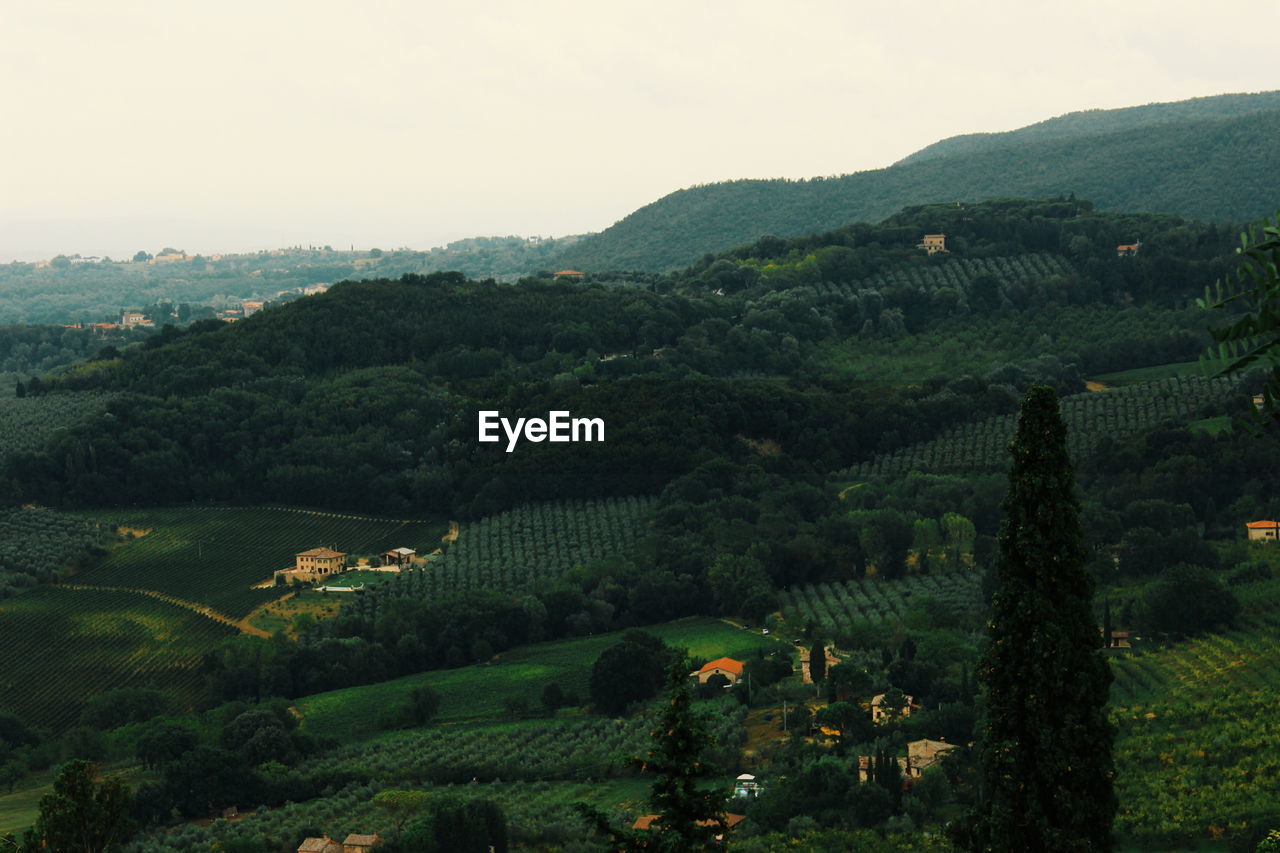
pixel 319 845
pixel 727 664
pixel 1258 525
pixel 361 840
pixel 570 272
pixel 321 552
pixel 645 821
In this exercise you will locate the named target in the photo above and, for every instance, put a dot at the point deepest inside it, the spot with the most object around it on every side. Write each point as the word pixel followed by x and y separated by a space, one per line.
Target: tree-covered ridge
pixel 1096 121
pixel 1208 168
pixel 75 289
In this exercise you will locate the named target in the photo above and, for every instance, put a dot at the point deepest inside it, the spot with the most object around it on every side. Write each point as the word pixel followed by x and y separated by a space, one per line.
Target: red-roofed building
pixel 728 667
pixel 1265 531
pixel 646 821
pixel 574 274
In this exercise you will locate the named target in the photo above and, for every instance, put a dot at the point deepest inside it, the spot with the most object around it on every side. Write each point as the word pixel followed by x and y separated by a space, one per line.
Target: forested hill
pixel 1093 122
pixel 1218 169
pixel 829 349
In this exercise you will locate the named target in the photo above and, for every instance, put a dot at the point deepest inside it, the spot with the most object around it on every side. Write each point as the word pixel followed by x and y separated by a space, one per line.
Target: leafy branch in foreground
pixel 1252 339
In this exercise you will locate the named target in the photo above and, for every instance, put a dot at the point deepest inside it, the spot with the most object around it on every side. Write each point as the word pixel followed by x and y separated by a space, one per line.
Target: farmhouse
pixel 353 843
pixel 1263 531
pixel 933 243
pixel 573 274
pixel 923 754
pixel 728 667
pixel 314 565
pixel 881 713
pixel 398 557
pixel 1125 250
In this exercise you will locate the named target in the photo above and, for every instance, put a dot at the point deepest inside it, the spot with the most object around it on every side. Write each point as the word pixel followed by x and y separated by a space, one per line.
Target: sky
pixel 236 126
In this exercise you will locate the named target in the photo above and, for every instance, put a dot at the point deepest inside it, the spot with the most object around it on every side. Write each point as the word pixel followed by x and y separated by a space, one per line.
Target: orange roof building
pixel 728 667
pixel 570 274
pixel 1263 531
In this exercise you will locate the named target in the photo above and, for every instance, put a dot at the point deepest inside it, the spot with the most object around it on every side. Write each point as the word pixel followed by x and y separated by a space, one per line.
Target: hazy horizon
pixel 395 124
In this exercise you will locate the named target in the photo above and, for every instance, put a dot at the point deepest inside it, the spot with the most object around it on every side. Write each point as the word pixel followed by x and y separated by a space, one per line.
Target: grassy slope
pixel 1147 374
pixel 480 691
pixel 213 554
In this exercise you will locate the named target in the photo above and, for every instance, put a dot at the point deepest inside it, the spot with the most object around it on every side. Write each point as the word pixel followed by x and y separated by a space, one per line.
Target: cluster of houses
pixel 320 564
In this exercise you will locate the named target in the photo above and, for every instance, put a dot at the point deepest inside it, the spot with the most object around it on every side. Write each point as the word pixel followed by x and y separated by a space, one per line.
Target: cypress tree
pixel 818 661
pixel 1045 741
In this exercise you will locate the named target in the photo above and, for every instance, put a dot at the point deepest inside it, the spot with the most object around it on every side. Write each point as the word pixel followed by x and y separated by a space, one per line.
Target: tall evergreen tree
pixel 818 661
pixel 690 816
pixel 1045 745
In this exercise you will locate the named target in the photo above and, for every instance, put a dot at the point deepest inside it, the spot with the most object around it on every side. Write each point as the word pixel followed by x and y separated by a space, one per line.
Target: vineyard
pixel 533 751
pixel 538 814
pixel 835 607
pixel 41 542
pixel 1196 734
pixel 538 542
pixel 531 544
pixel 957 274
pixel 62 646
pixel 213 555
pixel 26 423
pixel 982 445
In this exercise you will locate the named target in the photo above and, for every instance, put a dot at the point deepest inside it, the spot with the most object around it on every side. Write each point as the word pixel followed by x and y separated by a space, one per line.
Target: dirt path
pixel 203 609
pixel 452 535
pixel 1091 385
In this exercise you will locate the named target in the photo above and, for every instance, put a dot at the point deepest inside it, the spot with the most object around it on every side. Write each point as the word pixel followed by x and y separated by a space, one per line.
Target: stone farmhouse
pixel 316 564
pixel 933 243
pixel 921 755
pixel 353 843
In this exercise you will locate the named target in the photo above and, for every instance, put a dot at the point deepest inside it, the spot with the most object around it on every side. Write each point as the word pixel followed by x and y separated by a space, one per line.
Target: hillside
pixel 1216 168
pixel 1092 122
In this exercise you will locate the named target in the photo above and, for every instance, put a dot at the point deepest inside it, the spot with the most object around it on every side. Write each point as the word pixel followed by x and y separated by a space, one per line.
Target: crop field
pixel 982 445
pixel 834 607
pixel 26 423
pixel 538 813
pixel 1196 728
pixel 533 750
pixel 957 274
pixel 213 555
pixel 536 542
pixel 481 691
pixel 62 646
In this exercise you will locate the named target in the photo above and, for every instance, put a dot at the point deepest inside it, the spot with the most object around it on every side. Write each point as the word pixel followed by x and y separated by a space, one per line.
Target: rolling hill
pixel 1213 160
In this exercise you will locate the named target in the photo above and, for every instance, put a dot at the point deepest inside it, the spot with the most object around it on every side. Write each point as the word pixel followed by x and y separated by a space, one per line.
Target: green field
pixel 481 692
pixel 213 555
pixel 62 646
pixel 1149 374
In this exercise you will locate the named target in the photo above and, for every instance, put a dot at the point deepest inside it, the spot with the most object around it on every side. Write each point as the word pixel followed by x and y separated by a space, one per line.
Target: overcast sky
pixel 244 125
